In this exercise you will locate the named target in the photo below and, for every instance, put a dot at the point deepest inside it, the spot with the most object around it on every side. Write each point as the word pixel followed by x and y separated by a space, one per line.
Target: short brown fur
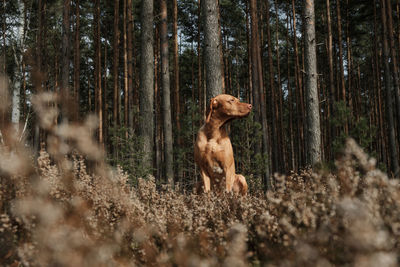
pixel 213 151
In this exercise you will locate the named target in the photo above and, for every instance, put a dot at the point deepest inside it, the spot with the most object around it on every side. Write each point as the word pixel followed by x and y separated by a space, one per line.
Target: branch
pixel 26 124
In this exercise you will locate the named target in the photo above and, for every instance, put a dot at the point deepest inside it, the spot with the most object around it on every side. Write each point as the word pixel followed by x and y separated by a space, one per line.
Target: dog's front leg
pixel 230 178
pixel 206 181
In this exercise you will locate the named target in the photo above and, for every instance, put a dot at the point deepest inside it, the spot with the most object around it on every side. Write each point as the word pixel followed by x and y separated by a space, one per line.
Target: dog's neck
pixel 215 127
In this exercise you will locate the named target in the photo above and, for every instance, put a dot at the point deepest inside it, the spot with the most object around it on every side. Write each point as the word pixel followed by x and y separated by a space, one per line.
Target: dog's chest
pixel 219 153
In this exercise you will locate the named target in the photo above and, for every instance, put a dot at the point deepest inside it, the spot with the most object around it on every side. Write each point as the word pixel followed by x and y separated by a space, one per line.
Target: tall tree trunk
pixel 212 52
pixel 249 69
pixel 65 59
pixel 349 60
pixel 199 65
pixel 3 111
pixel 126 78
pixel 115 66
pixel 378 92
pixel 146 92
pixel 299 93
pixel 157 117
pixel 258 88
pixel 292 151
pixel 388 97
pixel 176 68
pixel 106 119
pixel 280 93
pixel 77 59
pixel 166 95
pixel 97 71
pixel 273 103
pixel 340 45
pixel 313 122
pixel 394 60
pixel 19 48
pixel 130 61
pixel 41 82
pixel 331 76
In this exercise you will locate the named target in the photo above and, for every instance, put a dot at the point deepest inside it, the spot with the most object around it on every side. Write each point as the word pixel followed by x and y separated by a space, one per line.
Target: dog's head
pixel 226 107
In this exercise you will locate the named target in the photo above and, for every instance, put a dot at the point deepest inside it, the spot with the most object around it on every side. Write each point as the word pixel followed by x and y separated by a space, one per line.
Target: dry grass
pixel 58 213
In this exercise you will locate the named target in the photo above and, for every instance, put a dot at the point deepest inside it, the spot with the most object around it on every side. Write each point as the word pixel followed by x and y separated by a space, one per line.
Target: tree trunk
pixel 282 143
pixel 157 116
pixel 166 95
pixel 97 70
pixel 126 78
pixel 199 65
pixel 212 52
pixel 19 48
pixel 340 43
pixel 65 59
pixel 146 91
pixel 388 97
pixel 106 119
pixel 258 88
pixel 313 123
pixel 299 90
pixel 130 63
pixel 115 67
pixel 273 103
pixel 292 151
pixel 394 60
pixel 378 92
pixel 77 60
pixel 176 68
pixel 330 63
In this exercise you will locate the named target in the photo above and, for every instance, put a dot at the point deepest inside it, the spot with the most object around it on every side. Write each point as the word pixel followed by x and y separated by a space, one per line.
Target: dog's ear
pixel 213 105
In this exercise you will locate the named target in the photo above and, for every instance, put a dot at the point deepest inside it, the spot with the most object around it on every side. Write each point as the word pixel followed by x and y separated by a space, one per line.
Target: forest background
pixel 147 71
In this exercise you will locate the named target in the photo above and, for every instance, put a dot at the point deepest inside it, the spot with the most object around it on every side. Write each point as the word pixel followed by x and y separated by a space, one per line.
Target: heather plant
pixel 58 211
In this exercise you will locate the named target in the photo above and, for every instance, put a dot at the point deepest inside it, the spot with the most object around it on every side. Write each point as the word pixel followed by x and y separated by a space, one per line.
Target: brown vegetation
pixel 71 209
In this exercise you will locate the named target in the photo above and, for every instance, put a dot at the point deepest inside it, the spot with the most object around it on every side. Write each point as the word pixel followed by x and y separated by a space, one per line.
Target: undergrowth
pixel 71 209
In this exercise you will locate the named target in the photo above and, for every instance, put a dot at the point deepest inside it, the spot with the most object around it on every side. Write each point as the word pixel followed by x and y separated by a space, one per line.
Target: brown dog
pixel 213 151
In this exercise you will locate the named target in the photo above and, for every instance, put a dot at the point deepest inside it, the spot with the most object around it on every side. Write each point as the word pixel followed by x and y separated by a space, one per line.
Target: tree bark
pixel 340 43
pixel 258 88
pixel 97 71
pixel 19 48
pixel 331 76
pixel 299 94
pixel 130 40
pixel 126 77
pixel 166 95
pixel 292 151
pixel 176 67
pixel 212 56
pixel 394 60
pixel 313 122
pixel 77 60
pixel 115 66
pixel 388 96
pixel 65 59
pixel 146 92
pixel 273 103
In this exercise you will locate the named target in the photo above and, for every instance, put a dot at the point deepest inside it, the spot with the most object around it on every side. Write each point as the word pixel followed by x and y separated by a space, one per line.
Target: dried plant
pixel 57 211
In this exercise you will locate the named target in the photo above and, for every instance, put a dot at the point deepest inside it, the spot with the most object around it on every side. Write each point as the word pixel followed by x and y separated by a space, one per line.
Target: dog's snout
pixel 250 106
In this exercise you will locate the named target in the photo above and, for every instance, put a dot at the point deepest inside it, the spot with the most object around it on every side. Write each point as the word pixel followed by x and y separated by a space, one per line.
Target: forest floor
pixel 57 211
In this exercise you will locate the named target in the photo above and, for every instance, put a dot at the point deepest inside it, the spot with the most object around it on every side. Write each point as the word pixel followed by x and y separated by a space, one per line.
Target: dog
pixel 213 151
